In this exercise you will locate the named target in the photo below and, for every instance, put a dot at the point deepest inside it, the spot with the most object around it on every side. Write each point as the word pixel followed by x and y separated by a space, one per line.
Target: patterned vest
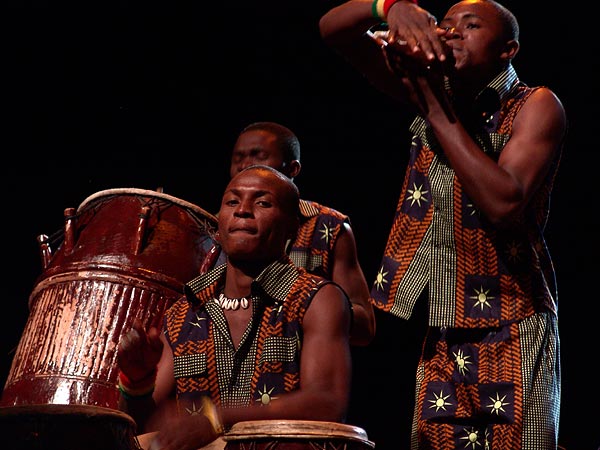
pixel 477 276
pixel 267 360
pixel 313 247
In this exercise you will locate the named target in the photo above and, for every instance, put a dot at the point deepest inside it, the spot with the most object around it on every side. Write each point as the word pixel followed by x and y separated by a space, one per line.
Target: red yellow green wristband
pixel 380 8
pixel 139 388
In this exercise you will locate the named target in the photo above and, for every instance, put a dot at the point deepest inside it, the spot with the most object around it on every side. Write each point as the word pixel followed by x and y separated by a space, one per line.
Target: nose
pixel 243 209
pixel 451 33
pixel 243 163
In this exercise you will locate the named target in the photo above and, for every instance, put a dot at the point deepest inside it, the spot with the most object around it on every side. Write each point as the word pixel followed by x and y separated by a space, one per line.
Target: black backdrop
pixel 144 94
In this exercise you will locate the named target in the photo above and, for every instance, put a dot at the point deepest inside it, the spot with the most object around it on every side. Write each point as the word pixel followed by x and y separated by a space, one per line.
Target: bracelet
pixel 381 8
pixel 209 410
pixel 140 388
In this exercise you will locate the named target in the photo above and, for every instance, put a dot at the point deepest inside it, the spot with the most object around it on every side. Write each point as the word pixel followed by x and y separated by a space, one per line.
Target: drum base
pixel 66 427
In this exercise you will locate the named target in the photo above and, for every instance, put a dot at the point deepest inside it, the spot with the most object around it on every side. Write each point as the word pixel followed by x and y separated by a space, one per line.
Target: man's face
pixel 475 35
pixel 256 147
pixel 254 223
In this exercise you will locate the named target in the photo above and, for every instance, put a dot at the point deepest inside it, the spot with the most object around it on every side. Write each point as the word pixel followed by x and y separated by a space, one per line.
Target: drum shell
pixel 113 271
pixel 66 427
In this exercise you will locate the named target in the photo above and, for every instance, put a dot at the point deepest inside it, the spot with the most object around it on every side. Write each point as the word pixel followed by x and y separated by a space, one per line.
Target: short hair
pixel 286 139
pixel 509 21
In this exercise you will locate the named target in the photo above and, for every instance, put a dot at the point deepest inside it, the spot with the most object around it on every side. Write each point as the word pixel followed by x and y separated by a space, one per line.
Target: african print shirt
pixel 266 362
pixel 477 275
pixel 320 227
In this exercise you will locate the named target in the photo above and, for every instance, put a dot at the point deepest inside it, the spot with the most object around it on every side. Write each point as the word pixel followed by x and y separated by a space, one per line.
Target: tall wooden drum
pixel 123 254
pixel 296 435
pixel 66 427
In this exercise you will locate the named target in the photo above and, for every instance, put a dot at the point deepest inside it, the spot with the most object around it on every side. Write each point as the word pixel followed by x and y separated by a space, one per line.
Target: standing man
pixel 468 234
pixel 325 243
pixel 254 339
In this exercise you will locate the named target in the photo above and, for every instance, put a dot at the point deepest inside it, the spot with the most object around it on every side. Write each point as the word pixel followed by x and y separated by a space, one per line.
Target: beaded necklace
pixel 232 303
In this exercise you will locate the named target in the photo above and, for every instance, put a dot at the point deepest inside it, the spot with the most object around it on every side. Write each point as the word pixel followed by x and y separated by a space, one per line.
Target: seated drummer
pixel 254 339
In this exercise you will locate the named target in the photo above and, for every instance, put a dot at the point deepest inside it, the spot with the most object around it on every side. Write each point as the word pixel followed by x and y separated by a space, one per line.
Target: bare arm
pixel 501 189
pixel 140 354
pixel 348 273
pixel 343 28
pixel 325 367
pixel 325 381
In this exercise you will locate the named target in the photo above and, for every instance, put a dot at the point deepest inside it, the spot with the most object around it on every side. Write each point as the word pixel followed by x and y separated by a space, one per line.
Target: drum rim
pixel 146 192
pixel 301 429
pixel 66 410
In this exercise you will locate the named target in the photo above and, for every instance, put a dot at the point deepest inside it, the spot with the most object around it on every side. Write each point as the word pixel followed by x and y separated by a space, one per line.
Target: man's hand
pixel 417 28
pixel 138 352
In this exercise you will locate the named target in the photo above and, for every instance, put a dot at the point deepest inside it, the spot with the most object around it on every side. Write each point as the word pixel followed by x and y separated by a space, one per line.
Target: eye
pixel 264 203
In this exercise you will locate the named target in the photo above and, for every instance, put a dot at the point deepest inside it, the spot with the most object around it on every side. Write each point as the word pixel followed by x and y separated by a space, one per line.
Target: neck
pixel 238 280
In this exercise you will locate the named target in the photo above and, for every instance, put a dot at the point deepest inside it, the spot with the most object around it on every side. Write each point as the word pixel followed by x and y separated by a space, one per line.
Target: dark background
pixel 145 94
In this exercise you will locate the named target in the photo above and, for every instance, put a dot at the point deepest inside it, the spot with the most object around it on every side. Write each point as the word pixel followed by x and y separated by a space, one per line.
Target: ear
pixel 294 168
pixel 294 227
pixel 511 48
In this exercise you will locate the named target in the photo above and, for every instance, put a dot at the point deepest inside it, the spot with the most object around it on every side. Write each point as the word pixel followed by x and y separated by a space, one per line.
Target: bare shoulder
pixel 330 293
pixel 330 304
pixel 543 110
pixel 544 99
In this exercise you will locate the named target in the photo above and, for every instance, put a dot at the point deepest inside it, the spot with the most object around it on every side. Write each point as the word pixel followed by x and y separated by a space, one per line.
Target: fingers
pixel 418 28
pixel 129 340
pixel 154 339
pixel 425 40
pixel 137 325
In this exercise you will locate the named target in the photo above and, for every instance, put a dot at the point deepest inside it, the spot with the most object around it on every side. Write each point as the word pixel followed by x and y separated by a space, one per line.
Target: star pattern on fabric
pixel 481 298
pixel 380 280
pixel 196 323
pixel 265 395
pixel 471 438
pixel 440 401
pixel 194 411
pixel 472 209
pixel 497 404
pixel 514 251
pixel 417 195
pixel 462 361
pixel 326 233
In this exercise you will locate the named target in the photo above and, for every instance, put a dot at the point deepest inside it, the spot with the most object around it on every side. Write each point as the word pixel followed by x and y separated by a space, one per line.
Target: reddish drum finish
pixel 66 427
pixel 125 254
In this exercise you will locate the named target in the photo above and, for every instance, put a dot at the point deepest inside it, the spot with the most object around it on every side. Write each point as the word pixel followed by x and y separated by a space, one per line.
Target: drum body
pixel 66 427
pixel 296 435
pixel 125 254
